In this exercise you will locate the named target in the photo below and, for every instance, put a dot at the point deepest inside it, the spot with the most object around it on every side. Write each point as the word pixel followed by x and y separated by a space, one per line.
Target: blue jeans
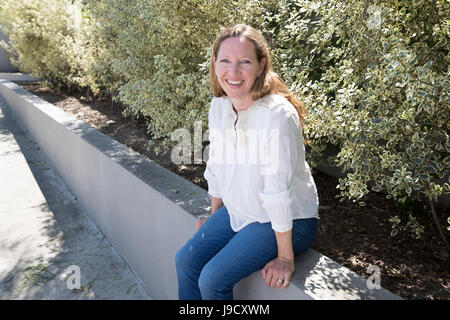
pixel 216 258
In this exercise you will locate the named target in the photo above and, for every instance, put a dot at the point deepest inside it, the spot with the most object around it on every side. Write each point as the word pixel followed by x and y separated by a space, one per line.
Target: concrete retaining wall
pixel 148 212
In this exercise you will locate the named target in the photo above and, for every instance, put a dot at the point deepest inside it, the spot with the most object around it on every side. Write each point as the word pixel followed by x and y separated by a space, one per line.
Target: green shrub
pixel 160 48
pixel 375 81
pixel 50 39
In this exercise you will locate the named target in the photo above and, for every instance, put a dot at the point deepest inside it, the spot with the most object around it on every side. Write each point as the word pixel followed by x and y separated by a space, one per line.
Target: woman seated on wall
pixel 264 201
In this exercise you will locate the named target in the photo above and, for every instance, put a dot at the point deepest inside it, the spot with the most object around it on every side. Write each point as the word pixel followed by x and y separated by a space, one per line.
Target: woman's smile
pixel 235 83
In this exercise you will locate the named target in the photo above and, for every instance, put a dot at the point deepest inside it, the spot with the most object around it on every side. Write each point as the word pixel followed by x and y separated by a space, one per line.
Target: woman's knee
pixel 213 283
pixel 182 259
pixel 207 283
pixel 206 279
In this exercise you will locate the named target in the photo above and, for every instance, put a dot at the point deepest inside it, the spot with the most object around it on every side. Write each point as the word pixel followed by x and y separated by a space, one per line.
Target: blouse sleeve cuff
pixel 213 187
pixel 279 209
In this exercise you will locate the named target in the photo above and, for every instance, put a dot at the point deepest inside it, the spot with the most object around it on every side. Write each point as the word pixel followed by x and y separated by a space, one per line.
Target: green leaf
pixel 417 187
pixel 422 93
pixel 431 169
pixel 447 161
pixel 377 188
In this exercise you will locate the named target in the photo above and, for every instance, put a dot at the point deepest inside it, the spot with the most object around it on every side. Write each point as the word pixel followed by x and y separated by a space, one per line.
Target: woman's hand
pixel 200 223
pixel 278 272
pixel 216 203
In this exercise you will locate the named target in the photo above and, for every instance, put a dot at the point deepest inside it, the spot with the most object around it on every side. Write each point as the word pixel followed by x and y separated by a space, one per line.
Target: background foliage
pixel 373 75
pixel 375 79
pixel 50 39
pixel 160 50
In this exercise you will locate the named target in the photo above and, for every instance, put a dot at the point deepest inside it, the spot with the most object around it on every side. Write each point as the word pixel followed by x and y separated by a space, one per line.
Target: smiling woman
pixel 237 67
pixel 260 218
pixel 244 44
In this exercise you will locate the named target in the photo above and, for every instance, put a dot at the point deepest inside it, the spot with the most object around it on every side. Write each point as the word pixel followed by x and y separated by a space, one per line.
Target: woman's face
pixel 237 67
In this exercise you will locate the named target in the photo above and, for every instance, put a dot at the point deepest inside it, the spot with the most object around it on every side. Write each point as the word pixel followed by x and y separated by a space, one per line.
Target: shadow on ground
pixel 40 240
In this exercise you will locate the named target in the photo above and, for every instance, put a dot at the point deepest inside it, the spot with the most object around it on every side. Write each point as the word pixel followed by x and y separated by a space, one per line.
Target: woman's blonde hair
pixel 269 82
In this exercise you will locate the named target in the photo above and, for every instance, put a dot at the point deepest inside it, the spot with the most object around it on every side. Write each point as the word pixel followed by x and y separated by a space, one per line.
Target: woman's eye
pixel 245 61
pixel 225 60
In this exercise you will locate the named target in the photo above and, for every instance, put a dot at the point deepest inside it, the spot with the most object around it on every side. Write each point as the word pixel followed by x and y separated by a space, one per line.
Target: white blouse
pixel 257 163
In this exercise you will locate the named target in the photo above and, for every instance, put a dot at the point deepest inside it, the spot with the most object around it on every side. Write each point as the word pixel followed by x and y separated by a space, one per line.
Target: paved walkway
pixel 46 239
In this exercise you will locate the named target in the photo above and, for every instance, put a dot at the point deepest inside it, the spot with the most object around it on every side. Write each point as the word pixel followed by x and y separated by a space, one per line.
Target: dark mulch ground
pixel 352 235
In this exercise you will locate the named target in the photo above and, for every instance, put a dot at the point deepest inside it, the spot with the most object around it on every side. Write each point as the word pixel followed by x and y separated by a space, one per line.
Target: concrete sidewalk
pixel 44 231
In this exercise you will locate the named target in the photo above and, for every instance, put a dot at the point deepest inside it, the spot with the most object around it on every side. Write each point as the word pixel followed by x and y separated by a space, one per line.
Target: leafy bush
pixel 50 39
pixel 160 48
pixel 375 80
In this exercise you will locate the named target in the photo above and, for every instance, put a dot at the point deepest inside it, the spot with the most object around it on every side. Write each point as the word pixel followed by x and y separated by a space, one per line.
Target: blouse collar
pixel 246 111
